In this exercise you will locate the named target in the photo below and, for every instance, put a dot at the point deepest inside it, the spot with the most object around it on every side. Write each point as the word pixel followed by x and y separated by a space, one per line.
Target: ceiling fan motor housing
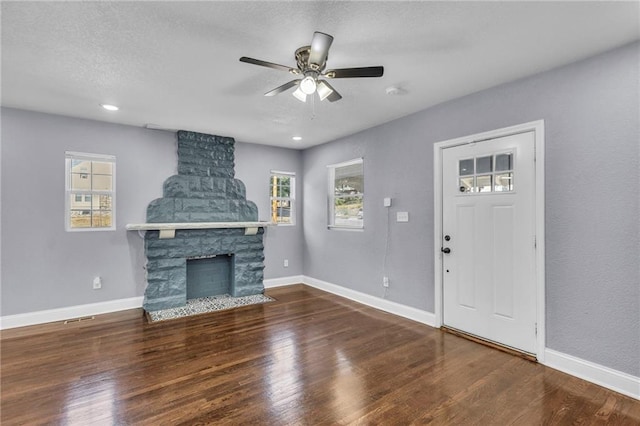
pixel 302 60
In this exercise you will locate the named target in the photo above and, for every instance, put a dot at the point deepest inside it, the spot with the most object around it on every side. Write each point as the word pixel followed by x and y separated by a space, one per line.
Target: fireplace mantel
pixel 168 230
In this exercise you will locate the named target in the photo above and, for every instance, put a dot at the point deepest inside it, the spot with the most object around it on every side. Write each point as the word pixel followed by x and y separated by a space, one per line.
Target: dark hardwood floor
pixel 309 358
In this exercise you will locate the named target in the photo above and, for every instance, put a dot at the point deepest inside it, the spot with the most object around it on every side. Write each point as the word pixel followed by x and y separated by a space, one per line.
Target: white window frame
pixel 291 198
pixel 69 157
pixel 331 194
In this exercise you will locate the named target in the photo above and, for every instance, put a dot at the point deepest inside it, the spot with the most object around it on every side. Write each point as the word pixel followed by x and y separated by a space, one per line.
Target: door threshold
pixel 490 343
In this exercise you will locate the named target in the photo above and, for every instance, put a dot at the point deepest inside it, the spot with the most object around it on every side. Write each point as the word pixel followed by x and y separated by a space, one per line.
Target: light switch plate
pixel 387 202
pixel 402 216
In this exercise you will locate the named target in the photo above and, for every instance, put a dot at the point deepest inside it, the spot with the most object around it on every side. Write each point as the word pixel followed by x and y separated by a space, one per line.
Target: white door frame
pixel 538 128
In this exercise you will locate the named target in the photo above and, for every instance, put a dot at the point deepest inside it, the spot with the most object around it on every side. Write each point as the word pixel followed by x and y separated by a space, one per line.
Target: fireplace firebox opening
pixel 210 276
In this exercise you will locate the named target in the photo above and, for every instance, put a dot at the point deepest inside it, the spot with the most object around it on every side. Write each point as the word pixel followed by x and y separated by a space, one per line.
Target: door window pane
pixel 466 184
pixel 484 183
pixel 484 164
pixel 504 182
pixel 495 174
pixel 466 167
pixel 504 162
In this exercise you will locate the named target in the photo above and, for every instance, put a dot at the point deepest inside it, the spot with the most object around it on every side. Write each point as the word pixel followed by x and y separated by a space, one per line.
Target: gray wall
pixel 45 267
pixel 591 113
pixel 253 166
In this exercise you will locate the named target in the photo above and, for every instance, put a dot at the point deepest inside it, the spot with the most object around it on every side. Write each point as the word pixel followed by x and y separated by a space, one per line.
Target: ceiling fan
pixel 311 62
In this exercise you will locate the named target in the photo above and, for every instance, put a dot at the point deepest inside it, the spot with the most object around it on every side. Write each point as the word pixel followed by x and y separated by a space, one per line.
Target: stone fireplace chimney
pixel 209 261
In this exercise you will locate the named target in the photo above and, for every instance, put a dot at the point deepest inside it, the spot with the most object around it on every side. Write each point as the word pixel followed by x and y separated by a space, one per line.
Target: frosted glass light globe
pixel 308 85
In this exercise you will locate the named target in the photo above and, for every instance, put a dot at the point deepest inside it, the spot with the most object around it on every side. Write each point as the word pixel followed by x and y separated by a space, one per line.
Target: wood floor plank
pixel 309 358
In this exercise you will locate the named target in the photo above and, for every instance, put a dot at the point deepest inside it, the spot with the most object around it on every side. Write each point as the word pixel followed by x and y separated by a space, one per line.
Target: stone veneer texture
pixel 204 190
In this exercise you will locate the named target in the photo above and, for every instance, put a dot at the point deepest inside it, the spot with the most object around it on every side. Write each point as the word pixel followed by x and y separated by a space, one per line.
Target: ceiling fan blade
pixel 333 96
pixel 282 88
pixel 319 49
pixel 268 64
pixel 355 72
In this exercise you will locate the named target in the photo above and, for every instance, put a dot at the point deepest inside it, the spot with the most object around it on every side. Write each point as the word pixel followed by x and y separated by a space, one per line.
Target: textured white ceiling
pixel 175 64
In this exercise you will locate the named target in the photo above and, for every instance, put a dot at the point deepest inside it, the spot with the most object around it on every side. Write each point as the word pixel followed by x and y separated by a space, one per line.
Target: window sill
pixel 90 229
pixel 345 228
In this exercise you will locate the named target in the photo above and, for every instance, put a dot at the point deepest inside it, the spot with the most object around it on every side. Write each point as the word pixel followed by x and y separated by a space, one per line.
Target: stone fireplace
pixel 215 256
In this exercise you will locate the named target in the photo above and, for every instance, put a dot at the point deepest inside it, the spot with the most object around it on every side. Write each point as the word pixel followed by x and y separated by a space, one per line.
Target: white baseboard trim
pixel 395 308
pixel 279 282
pixel 609 378
pixel 62 314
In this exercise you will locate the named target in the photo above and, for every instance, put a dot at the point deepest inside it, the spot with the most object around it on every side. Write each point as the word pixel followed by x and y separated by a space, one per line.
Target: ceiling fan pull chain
pixel 313 106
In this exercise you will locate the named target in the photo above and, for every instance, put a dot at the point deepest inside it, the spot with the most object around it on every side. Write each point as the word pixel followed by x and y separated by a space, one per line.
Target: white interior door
pixel 488 240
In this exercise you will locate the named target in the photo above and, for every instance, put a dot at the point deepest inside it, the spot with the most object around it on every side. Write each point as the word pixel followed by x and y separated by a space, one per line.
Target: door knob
pixel 445 250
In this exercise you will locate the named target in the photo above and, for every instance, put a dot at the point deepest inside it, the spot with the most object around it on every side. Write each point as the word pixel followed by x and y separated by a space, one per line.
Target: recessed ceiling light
pixel 109 107
pixel 394 90
pixel 297 138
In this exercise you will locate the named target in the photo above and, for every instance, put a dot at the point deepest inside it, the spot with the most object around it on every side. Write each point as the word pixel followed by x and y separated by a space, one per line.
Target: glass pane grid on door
pixel 490 173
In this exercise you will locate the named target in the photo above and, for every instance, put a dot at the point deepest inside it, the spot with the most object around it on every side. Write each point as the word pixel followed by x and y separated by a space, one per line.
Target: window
pixel 90 191
pixel 493 173
pixel 346 194
pixel 282 190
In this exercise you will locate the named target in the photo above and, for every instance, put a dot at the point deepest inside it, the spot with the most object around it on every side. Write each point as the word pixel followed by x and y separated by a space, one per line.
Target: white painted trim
pixel 609 378
pixel 437 229
pixel 347 163
pixel 538 128
pixel 395 308
pixel 283 281
pixel 62 314
pixel 69 157
pixel 194 225
pixel 617 381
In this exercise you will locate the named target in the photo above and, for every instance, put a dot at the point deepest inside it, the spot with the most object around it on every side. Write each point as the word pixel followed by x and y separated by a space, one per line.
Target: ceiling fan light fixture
pixel 300 95
pixel 323 90
pixel 311 62
pixel 308 85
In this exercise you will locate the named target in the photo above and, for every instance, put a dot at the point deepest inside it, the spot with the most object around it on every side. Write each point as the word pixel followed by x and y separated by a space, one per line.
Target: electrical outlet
pixel 97 283
pixel 385 281
pixel 286 263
